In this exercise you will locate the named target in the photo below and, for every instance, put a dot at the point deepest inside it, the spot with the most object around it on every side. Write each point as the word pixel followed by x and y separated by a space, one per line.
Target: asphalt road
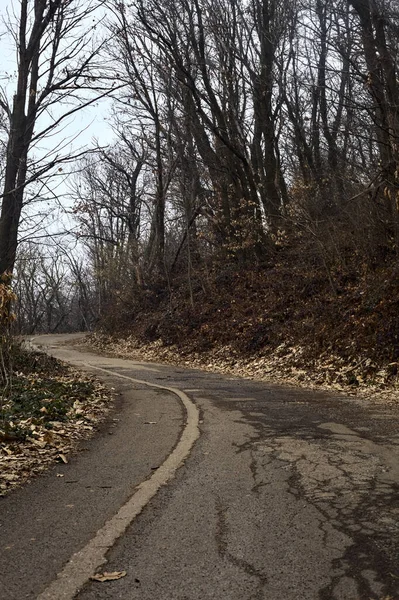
pixel 287 494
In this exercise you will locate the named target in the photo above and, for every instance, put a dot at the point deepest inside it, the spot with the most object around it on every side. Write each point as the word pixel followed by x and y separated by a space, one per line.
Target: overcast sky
pixel 82 129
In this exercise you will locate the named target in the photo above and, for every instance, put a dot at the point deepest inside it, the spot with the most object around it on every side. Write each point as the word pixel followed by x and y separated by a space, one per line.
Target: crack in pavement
pixel 343 482
pixel 221 536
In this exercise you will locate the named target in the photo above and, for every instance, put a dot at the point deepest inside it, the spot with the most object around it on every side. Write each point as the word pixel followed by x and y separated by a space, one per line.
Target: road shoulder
pixel 73 501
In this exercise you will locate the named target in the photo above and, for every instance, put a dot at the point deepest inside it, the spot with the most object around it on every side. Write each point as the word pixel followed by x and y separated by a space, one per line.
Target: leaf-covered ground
pixel 291 321
pixel 45 408
pixel 282 366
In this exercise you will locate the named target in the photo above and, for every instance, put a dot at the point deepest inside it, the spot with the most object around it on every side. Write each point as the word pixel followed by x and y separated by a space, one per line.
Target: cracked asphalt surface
pixel 288 494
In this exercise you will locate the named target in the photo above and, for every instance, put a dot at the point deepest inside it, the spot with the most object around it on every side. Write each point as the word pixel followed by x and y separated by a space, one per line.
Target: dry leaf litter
pixel 282 366
pixel 30 445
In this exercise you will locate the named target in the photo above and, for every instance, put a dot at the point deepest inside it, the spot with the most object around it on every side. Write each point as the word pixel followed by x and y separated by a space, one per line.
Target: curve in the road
pixel 82 565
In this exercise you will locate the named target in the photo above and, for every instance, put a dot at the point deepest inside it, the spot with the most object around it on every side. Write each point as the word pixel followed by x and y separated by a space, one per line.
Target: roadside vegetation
pixel 45 406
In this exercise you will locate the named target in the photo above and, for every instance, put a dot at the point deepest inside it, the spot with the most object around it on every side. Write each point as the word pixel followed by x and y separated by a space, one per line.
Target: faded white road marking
pixel 84 563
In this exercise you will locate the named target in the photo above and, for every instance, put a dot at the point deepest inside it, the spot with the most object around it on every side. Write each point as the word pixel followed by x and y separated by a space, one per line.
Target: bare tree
pixel 57 75
pixel 53 288
pixel 109 200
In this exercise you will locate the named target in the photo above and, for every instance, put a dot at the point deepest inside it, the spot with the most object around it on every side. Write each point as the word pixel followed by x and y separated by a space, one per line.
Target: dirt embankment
pixel 288 321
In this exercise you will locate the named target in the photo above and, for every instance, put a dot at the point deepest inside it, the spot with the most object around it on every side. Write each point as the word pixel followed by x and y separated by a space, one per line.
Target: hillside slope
pixel 290 320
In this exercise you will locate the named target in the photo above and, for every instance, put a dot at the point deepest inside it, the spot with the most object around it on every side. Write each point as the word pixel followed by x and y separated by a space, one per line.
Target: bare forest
pixel 249 196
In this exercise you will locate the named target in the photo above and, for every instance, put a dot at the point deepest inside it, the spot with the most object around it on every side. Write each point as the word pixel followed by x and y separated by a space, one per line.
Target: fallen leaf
pixel 108 576
pixel 10 477
pixel 150 422
pixel 60 475
pixel 39 444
